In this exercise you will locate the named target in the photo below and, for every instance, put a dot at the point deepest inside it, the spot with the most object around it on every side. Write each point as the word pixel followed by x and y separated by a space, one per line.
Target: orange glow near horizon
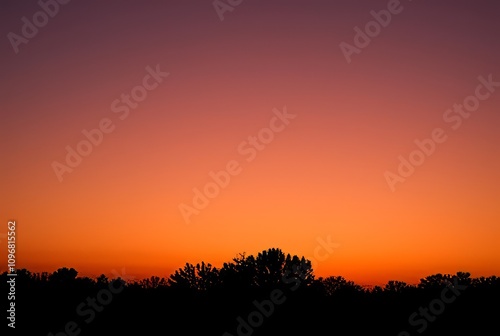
pixel 322 175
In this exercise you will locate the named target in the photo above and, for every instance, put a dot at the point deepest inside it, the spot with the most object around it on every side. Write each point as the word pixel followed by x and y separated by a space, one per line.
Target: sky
pixel 141 135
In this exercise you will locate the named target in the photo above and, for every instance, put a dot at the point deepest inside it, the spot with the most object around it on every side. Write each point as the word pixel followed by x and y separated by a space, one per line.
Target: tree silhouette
pixel 102 280
pixel 272 267
pixel 334 285
pixel 201 277
pixel 268 269
pixel 63 276
pixel 396 287
pixel 153 282
pixel 213 301
pixel 439 281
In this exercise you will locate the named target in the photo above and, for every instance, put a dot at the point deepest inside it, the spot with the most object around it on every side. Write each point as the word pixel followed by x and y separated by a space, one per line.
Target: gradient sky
pixel 323 175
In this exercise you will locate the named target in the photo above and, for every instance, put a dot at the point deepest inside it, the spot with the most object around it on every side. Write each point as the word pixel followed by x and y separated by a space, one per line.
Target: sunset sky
pixel 324 173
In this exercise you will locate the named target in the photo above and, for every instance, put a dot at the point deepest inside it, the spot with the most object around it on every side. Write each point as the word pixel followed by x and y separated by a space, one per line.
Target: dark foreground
pixel 269 294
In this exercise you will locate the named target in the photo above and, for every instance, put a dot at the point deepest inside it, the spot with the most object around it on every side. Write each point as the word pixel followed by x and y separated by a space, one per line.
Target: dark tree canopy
pixel 208 300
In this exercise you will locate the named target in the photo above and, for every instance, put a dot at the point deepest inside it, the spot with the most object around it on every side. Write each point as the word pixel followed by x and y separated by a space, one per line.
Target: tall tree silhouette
pixel 268 269
pixel 273 266
pixel 200 277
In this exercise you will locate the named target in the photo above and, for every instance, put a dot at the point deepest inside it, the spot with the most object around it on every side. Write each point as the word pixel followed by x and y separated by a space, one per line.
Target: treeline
pixel 271 293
